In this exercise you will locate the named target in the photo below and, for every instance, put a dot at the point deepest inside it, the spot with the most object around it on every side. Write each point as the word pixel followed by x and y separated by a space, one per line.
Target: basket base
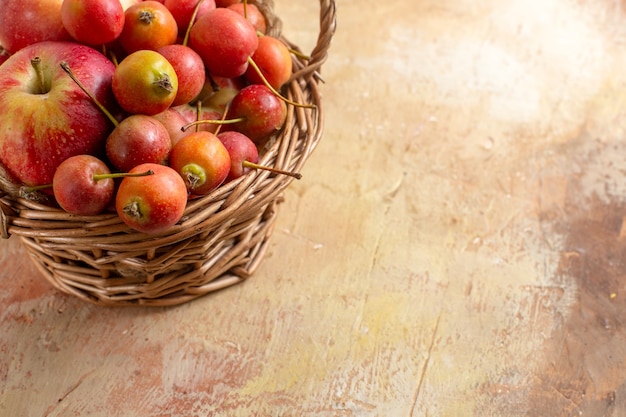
pixel 225 262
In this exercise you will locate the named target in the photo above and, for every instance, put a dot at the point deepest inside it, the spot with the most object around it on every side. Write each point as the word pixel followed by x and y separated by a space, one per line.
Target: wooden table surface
pixel 456 247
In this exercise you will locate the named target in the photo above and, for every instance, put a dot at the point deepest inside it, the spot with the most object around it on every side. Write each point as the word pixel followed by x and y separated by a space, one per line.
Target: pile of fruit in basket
pixel 136 106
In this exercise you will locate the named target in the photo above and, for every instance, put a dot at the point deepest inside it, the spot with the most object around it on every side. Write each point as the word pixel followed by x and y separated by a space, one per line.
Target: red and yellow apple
pixel 24 22
pixel 44 116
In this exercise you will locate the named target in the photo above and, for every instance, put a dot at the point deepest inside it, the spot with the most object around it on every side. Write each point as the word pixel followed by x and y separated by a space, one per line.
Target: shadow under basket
pixel 220 240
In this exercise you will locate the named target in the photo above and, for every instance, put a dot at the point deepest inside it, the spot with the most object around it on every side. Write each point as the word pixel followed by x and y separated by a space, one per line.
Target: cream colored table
pixel 455 248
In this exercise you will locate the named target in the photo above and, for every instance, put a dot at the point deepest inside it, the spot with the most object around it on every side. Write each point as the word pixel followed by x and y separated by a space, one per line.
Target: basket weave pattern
pixel 222 237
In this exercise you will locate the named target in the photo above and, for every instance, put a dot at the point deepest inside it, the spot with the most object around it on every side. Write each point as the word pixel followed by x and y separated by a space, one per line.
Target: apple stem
pixel 245 9
pixel 193 18
pixel 36 63
pixel 273 90
pixel 214 122
pixel 198 113
pixel 33 188
pixel 103 109
pixel 248 164
pixel 98 177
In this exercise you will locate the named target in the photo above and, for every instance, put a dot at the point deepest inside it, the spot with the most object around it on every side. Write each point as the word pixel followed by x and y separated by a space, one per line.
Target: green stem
pixel 248 164
pixel 98 177
pixel 36 63
pixel 193 18
pixel 103 109
pixel 273 90
pixel 213 122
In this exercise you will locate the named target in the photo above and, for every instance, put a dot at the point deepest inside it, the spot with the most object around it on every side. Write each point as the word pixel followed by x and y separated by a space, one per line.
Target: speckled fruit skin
pixel 225 40
pixel 160 199
pixel 25 22
pixel 39 131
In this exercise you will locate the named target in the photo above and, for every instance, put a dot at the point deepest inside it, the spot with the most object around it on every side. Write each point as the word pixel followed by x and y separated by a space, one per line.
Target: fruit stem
pixel 103 109
pixel 273 90
pixel 248 164
pixel 36 63
pixel 193 18
pixel 30 189
pixel 212 121
pixel 98 177
pixel 245 9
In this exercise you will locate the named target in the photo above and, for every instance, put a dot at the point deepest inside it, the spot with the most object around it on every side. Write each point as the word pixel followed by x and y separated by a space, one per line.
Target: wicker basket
pixel 219 242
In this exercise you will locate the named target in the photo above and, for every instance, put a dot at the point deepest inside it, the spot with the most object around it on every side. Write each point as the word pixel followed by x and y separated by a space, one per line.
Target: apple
pixel 240 148
pixel 263 113
pixel 45 117
pixel 183 10
pixel 147 25
pixel 252 13
pixel 93 22
pixel 225 40
pixel 173 121
pixel 202 161
pixel 189 70
pixel 151 203
pixel 145 82
pixel 273 60
pixel 25 22
pixel 82 185
pixel 136 140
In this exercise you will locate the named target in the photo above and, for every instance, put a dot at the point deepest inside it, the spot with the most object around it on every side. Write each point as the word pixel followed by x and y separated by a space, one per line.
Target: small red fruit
pixel 240 148
pixel 274 61
pixel 252 13
pixel 189 70
pixel 262 112
pixel 148 25
pixel 202 161
pixel 136 140
pixel 77 188
pixel 225 40
pixel 153 203
pixel 145 82
pixel 93 22
pixel 182 10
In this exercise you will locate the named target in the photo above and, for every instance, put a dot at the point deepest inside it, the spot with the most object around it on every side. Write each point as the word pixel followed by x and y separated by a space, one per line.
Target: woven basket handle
pixel 328 25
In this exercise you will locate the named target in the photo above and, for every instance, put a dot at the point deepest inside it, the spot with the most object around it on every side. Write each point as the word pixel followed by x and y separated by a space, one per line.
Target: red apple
pixel 25 22
pixel 240 148
pixel 225 40
pixel 273 59
pixel 145 82
pixel 202 161
pixel 264 114
pixel 252 13
pixel 82 185
pixel 189 70
pixel 151 203
pixel 173 121
pixel 93 22
pixel 136 140
pixel 147 25
pixel 45 121
pixel 182 10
